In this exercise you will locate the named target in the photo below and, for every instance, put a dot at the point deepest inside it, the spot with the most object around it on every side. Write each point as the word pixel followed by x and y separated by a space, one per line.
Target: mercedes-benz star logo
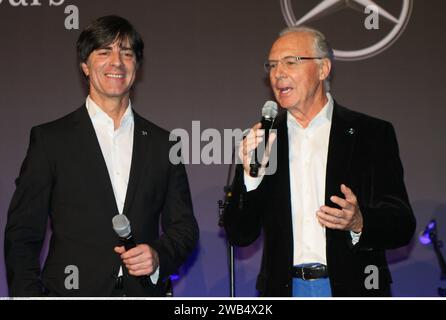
pixel 329 6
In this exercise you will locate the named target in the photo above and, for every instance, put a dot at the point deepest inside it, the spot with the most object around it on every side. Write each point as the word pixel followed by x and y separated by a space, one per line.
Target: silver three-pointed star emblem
pixel 326 7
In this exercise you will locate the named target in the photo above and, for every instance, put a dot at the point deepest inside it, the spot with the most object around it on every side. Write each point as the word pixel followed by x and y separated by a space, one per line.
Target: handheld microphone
pixel 269 113
pixel 121 225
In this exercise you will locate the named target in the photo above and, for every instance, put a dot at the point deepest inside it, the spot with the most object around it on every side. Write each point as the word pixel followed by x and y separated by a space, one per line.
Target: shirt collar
pixel 98 115
pixel 325 115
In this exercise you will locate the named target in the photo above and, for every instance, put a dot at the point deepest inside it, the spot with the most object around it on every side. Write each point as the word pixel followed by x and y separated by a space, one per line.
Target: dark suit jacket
pixel 363 154
pixel 64 177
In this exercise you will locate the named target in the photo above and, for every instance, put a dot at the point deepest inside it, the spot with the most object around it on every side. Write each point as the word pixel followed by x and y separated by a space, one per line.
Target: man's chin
pixel 284 104
pixel 117 94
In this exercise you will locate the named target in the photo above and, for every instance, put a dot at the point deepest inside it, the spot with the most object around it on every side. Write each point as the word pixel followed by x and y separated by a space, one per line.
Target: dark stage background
pixel 204 62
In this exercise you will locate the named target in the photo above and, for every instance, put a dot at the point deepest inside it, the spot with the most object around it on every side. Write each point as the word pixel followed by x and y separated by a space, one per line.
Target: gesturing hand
pixel 349 217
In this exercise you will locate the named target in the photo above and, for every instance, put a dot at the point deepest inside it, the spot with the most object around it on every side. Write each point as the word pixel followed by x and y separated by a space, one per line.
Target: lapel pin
pixel 351 131
pixel 144 133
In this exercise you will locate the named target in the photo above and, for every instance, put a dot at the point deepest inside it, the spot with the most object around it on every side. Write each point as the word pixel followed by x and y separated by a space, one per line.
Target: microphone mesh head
pixel 121 225
pixel 269 109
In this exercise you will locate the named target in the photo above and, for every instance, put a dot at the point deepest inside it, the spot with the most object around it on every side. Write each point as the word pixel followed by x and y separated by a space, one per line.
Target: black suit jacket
pixel 64 177
pixel 363 154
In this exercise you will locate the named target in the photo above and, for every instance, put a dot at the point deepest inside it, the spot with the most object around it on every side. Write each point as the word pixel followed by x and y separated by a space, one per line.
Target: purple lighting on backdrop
pixel 174 277
pixel 426 237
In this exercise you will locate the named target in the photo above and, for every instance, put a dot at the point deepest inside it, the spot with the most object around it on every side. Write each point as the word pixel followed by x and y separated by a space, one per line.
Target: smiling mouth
pixel 114 76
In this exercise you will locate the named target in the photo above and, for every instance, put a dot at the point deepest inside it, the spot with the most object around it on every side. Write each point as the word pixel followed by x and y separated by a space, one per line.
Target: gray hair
pixel 321 46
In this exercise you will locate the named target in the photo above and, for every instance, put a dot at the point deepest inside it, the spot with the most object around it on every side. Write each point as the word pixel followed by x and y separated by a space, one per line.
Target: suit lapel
pixel 283 172
pixel 141 138
pixel 342 138
pixel 90 155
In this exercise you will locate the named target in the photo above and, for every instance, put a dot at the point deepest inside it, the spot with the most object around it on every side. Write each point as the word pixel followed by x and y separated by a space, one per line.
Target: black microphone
pixel 269 113
pixel 121 225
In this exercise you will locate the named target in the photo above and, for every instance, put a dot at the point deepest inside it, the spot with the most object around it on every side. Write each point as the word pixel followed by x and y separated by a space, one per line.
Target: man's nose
pixel 116 59
pixel 280 71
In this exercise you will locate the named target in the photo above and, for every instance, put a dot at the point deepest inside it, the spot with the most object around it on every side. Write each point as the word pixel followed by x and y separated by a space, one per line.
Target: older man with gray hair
pixel 337 200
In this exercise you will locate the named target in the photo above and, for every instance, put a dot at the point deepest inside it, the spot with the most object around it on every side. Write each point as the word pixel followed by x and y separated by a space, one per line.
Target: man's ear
pixel 85 69
pixel 324 69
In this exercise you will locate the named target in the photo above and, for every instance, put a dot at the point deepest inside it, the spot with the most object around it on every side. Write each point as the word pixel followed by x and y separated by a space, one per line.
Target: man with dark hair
pixel 337 200
pixel 83 169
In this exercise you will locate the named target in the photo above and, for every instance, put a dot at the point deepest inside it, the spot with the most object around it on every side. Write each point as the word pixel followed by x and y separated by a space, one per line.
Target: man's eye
pixel 291 62
pixel 272 65
pixel 103 53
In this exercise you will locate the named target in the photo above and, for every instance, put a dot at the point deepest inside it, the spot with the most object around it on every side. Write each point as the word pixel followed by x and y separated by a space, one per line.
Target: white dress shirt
pixel 117 148
pixel 308 150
